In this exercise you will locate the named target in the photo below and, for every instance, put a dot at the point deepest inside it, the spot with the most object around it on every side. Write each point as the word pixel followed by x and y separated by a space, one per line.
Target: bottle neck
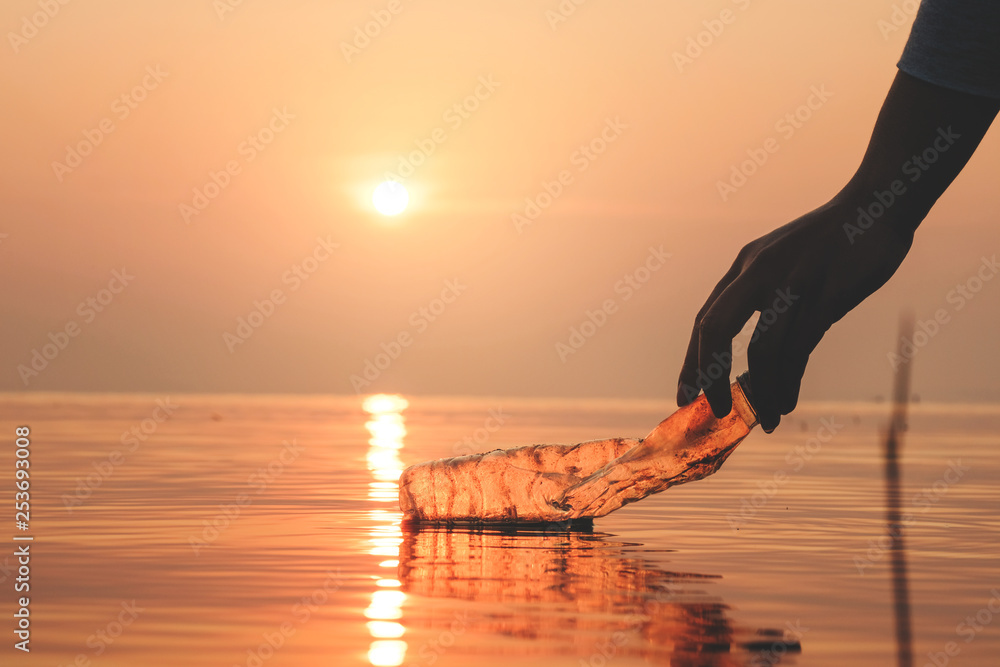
pixel 743 400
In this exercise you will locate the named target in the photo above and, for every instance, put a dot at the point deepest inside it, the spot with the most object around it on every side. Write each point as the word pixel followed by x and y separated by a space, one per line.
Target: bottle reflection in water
pixel 566 593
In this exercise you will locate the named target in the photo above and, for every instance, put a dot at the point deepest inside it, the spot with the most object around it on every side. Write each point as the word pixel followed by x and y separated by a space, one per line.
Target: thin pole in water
pixel 893 445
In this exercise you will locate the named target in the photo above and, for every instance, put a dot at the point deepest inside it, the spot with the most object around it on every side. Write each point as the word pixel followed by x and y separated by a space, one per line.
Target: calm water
pixel 265 531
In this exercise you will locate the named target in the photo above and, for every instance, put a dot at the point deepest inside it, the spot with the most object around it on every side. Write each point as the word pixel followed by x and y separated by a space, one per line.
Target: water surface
pixel 264 530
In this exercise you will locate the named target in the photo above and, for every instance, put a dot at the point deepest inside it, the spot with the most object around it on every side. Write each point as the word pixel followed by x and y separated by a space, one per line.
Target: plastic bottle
pixel 547 483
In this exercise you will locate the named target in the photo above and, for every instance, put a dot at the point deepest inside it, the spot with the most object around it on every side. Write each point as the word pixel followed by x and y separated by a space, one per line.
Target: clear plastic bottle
pixel 547 483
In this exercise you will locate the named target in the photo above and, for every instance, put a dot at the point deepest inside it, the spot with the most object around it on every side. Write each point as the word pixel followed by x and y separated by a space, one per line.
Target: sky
pixel 186 195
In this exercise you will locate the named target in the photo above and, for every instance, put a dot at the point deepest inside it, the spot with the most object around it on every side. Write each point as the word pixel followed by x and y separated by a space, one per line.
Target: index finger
pixel 688 386
pixel 724 319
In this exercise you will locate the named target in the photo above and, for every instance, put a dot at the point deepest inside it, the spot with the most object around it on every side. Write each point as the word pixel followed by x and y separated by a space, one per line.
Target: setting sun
pixel 390 198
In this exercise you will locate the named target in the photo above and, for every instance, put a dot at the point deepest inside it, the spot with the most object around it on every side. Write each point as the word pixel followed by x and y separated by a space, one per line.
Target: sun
pixel 390 198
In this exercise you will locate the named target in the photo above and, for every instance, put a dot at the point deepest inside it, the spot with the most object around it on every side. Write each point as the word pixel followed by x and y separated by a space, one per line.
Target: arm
pixel 815 269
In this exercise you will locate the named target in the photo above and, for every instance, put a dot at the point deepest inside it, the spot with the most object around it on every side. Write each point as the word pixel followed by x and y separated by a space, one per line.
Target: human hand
pixel 802 277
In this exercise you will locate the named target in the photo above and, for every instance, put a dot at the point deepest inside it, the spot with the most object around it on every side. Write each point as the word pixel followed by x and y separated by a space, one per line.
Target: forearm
pixel 924 136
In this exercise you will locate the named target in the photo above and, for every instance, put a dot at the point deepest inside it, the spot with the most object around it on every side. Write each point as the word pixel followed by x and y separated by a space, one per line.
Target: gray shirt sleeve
pixel 956 44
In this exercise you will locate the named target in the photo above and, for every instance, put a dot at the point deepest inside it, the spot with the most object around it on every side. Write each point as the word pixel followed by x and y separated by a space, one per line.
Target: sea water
pixel 264 530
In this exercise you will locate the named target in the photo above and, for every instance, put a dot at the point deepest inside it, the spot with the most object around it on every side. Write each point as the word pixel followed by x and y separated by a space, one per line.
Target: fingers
pixel 764 358
pixel 687 383
pixel 777 356
pixel 692 377
pixel 806 333
pixel 719 325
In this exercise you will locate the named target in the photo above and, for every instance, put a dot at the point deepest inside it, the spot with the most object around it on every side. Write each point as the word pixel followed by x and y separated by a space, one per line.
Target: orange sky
pixel 307 128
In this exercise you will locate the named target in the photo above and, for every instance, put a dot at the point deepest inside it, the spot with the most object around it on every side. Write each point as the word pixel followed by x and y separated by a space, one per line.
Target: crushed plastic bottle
pixel 550 483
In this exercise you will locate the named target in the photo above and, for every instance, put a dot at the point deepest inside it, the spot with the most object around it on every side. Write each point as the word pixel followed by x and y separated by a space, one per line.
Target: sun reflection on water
pixel 387 429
